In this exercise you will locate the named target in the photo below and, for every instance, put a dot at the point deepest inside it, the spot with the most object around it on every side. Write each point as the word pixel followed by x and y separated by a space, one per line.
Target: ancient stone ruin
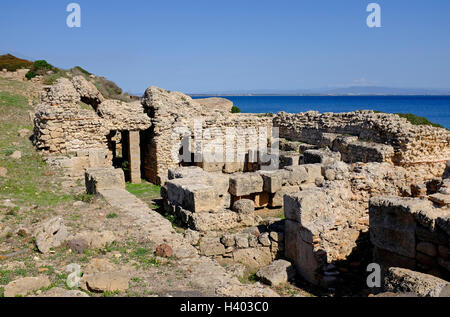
pixel 330 193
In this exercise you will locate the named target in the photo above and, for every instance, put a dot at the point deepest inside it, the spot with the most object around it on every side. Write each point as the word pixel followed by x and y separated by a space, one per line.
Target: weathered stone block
pixel 300 252
pixel 273 181
pixel 314 171
pixel 246 184
pixel 321 156
pixel 305 207
pixel 289 159
pixel 253 257
pixel 244 206
pixel 392 225
pixel 186 172
pixel 211 247
pixel 201 198
pixel 399 280
pixel 296 175
pixel 98 178
pixel 278 272
pixel 277 199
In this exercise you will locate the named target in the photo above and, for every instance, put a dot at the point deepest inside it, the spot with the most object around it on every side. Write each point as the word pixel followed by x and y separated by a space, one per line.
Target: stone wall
pixel 16 75
pixel 174 111
pixel 387 136
pixel 411 233
pixel 73 123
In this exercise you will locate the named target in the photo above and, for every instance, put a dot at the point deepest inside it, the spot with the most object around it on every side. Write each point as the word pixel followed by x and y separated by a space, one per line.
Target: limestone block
pixel 277 199
pixel 273 181
pixel 246 184
pixel 244 206
pixel 314 171
pixel 98 178
pixel 296 175
pixel 201 198
pixel 404 280
pixel 185 172
pixel 278 272
pixel 211 247
pixel 322 156
pixel 300 252
pixel 289 158
pixel 307 207
pixel 392 225
pixel 253 257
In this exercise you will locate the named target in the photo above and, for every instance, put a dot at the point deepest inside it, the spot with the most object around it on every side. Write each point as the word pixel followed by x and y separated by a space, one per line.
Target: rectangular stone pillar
pixel 134 157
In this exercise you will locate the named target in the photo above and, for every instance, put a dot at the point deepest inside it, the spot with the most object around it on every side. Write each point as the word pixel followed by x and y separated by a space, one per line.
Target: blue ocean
pixel 434 108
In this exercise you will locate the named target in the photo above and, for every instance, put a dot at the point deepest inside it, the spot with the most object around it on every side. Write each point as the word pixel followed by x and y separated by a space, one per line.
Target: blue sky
pixel 198 45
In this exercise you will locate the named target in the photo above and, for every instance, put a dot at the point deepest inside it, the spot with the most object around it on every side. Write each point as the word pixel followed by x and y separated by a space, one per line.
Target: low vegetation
pixel 235 109
pixel 415 120
pixel 51 74
pixel 12 63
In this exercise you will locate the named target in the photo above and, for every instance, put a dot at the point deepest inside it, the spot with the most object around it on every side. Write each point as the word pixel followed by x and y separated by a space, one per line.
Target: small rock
pixel 264 239
pixel 50 234
pixel 74 280
pixel 278 272
pixel 16 155
pixel 244 206
pixel 60 292
pixel 241 240
pixel 277 236
pixel 73 267
pixel 26 285
pixel 319 181
pixel 237 269
pixel 108 281
pixel 192 236
pixel 78 245
pixel 3 172
pixel 228 240
pixel 22 232
pixel 252 241
pixel 78 204
pixel 23 132
pixel 211 246
pixel 164 250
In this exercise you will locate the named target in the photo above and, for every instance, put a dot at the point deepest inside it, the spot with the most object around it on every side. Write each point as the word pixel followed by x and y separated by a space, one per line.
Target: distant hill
pixel 345 91
pixel 12 63
pixel 51 73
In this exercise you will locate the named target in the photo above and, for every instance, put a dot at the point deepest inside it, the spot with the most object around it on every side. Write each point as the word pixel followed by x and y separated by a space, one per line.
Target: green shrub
pixel 81 70
pixel 40 67
pixel 235 110
pixel 416 120
pixel 31 74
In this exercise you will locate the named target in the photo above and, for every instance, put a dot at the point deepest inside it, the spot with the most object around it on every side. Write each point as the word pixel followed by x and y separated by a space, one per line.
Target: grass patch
pixel 145 257
pixel 112 215
pixel 86 198
pixel 26 181
pixel 248 279
pixel 145 191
